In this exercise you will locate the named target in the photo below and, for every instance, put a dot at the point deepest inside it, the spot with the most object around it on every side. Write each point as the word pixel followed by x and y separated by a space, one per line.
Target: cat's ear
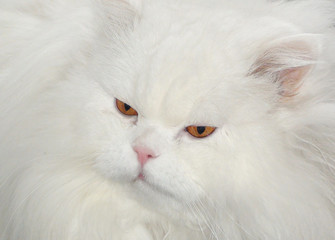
pixel 287 61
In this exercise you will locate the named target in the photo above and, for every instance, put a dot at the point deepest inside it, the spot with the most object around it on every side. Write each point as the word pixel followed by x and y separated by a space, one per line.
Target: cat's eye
pixel 200 131
pixel 125 108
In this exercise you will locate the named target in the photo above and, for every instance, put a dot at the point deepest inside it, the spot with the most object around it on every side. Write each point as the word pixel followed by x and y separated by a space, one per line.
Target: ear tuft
pixel 287 61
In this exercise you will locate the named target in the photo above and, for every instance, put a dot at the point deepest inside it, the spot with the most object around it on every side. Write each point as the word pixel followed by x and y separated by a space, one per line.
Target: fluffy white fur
pixel 262 72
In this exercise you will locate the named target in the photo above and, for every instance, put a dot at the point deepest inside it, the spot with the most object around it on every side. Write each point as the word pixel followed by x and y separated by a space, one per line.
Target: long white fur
pixel 67 168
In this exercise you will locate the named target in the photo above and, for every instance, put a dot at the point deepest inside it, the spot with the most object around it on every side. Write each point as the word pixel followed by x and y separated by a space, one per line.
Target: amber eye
pixel 125 108
pixel 200 131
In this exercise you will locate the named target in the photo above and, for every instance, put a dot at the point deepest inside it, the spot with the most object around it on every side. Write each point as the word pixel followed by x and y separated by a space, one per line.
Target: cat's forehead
pixel 185 68
pixel 181 79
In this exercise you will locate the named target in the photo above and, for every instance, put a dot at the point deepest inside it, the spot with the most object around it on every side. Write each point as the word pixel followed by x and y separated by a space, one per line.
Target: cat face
pixel 164 84
pixel 167 101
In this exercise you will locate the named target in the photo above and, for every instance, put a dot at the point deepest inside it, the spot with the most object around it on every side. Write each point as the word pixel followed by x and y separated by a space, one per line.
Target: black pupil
pixel 201 130
pixel 126 107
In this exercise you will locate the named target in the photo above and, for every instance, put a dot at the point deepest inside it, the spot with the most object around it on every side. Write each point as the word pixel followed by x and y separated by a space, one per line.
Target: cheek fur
pixel 118 163
pixel 116 158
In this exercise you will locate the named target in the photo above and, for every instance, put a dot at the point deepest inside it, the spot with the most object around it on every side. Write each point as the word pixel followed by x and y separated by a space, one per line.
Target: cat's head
pixel 201 106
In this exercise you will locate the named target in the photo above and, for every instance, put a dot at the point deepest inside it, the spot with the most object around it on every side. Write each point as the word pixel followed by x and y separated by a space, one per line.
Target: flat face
pixel 179 71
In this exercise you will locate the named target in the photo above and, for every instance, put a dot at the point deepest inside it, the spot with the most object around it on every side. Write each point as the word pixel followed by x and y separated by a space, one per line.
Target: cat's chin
pixel 148 187
pixel 156 197
pixel 164 202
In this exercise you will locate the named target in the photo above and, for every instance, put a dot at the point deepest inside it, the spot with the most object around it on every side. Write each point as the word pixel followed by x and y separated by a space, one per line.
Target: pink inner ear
pixel 291 79
pixel 287 61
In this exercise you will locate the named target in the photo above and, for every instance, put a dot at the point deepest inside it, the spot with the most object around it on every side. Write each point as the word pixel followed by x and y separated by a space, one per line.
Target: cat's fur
pixel 262 72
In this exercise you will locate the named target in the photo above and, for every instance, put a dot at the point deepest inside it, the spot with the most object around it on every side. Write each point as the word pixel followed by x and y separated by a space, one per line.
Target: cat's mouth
pixel 141 177
pixel 146 185
pixel 154 195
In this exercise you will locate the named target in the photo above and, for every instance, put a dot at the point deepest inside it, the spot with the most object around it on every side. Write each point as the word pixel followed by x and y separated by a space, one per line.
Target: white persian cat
pixel 167 120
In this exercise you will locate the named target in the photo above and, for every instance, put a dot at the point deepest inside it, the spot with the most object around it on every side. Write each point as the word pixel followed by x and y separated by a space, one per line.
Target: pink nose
pixel 144 154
